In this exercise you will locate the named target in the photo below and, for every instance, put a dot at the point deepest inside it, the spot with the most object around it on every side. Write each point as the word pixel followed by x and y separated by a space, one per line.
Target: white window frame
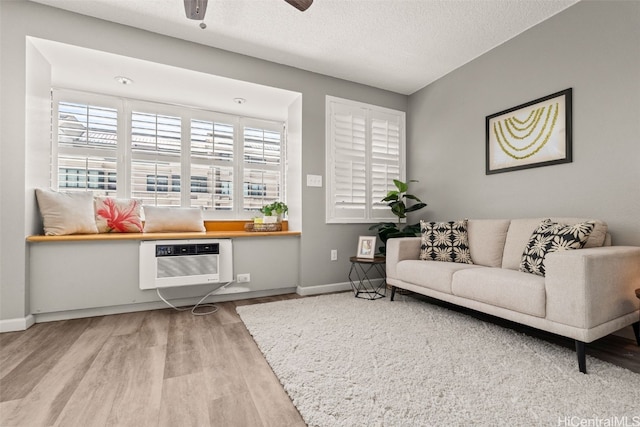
pixel 368 213
pixel 124 156
pixel 87 99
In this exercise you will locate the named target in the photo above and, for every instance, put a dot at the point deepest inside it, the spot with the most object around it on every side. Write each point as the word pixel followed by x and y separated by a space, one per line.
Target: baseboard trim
pixel 323 289
pixel 18 324
pixel 155 305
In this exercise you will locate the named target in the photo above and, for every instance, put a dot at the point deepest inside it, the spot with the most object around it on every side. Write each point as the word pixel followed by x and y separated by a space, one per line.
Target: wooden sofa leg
pixel 636 329
pixel 582 358
pixel 393 292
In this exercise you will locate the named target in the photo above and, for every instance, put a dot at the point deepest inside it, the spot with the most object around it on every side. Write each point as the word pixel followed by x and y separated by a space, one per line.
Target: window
pixel 263 152
pixel 213 145
pixel 156 141
pixel 365 153
pixel 86 148
pixel 166 155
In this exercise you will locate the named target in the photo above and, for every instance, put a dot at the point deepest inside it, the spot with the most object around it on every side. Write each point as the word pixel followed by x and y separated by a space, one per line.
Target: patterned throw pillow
pixel 118 215
pixel 553 237
pixel 445 241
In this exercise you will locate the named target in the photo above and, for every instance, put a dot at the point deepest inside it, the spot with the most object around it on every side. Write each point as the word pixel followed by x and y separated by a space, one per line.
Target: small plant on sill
pixel 274 211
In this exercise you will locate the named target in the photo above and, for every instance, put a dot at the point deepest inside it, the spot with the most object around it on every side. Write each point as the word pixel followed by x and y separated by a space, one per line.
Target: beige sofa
pixel 586 293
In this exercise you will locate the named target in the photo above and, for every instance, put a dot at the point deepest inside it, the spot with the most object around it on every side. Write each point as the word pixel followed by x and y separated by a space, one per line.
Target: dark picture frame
pixel 534 134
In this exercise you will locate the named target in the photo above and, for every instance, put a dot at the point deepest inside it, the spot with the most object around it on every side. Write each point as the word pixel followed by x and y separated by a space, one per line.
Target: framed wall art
pixel 530 135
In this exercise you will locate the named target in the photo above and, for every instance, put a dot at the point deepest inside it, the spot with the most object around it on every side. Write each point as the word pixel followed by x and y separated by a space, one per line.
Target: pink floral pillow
pixel 118 215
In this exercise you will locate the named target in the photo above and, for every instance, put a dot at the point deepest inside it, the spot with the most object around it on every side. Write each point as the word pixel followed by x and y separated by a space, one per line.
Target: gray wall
pixel 20 19
pixel 593 47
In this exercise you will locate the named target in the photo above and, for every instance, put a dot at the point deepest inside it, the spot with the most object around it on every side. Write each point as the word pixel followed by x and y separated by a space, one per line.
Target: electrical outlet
pixel 334 254
pixel 243 278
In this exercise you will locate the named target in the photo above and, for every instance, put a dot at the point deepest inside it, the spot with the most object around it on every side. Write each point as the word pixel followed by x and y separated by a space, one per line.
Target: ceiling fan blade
pixel 195 9
pixel 301 5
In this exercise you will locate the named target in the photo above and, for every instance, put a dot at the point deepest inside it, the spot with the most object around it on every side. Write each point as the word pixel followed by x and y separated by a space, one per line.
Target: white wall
pixel 592 47
pixel 21 19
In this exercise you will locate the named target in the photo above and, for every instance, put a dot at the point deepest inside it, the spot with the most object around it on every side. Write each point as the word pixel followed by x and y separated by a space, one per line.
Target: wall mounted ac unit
pixel 172 263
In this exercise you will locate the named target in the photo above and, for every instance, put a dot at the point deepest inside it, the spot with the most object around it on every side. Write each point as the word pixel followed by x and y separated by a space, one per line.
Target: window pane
pixel 262 146
pixel 155 133
pixel 212 187
pixel 385 140
pixel 350 184
pixel 156 183
pixel 260 188
pixel 87 125
pixel 97 174
pixel 382 177
pixel 385 158
pixel 212 141
pixel 350 181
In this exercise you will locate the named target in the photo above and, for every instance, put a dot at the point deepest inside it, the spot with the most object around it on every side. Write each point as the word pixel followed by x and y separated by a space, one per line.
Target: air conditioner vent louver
pixel 173 263
pixel 187 266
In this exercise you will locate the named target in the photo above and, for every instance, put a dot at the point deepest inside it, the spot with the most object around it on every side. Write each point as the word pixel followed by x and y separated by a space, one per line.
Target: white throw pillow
pixel 66 213
pixel 166 219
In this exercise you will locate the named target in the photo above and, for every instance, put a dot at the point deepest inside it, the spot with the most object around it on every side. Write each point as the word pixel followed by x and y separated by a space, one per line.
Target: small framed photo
pixel 366 247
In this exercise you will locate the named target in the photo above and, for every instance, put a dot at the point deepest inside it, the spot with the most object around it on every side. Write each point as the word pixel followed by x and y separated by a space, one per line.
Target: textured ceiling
pixel 398 45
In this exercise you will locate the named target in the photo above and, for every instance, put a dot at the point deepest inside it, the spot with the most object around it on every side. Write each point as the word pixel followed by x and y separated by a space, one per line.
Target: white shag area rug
pixel 351 362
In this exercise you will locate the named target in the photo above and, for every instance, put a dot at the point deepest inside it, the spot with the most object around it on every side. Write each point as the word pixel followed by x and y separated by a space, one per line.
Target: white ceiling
pixel 398 45
pixel 78 68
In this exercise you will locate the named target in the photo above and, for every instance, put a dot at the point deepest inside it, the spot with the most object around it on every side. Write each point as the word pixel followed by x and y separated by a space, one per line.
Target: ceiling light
pixel 239 100
pixel 123 80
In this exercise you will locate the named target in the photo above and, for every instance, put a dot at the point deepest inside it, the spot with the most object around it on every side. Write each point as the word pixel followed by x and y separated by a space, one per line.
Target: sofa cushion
pixel 512 290
pixel 432 275
pixel 520 231
pixel 486 240
pixel 553 237
pixel 445 241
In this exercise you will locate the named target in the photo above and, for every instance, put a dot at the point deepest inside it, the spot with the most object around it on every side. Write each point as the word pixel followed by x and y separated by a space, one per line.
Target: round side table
pixel 368 277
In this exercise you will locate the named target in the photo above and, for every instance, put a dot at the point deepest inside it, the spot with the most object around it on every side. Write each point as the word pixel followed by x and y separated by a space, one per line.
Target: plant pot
pixel 270 219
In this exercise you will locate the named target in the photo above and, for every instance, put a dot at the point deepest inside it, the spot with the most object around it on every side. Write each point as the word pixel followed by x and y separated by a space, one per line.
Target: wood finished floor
pixel 168 368
pixel 153 368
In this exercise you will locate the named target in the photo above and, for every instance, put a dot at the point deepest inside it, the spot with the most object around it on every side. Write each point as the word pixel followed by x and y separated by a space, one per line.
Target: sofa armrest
pixel 399 249
pixel 588 287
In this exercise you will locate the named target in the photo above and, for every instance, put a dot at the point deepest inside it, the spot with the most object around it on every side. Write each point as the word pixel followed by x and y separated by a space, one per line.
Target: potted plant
pixel 396 201
pixel 273 212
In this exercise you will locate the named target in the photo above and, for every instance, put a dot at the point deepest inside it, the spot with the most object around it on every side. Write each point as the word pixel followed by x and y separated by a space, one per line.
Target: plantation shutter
pixel 348 157
pixel 86 148
pixel 263 158
pixel 156 164
pixel 212 167
pixel 166 155
pixel 365 146
pixel 385 160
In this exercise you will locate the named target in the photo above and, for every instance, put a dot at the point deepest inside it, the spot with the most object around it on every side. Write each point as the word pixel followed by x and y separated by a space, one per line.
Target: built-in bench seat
pixel 215 230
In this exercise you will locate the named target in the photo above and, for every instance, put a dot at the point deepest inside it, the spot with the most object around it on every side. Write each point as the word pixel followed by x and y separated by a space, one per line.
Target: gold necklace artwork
pixel 519 131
